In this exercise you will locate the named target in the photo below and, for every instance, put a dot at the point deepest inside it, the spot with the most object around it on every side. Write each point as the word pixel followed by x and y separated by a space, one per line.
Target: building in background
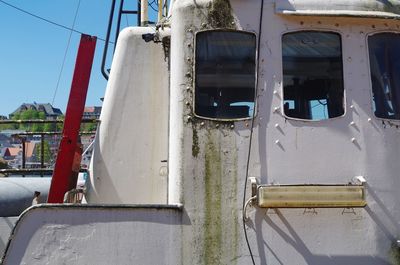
pixel 50 112
pixel 91 112
pixel 13 154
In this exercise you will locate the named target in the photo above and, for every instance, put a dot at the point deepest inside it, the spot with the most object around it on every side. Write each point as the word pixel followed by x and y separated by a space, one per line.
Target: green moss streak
pixel 395 254
pixel 195 142
pixel 213 207
pixel 220 14
pixel 235 243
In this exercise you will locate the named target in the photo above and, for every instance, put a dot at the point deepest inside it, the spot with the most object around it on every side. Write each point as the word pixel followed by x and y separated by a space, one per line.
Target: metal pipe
pixel 16 194
pixel 132 12
pixel 88 148
pixel 42 121
pixel 160 10
pixel 23 152
pixel 165 8
pixel 41 153
pixel 138 12
pixel 49 133
pixel 22 171
pixel 29 121
pixel 103 60
pixel 121 6
pixel 144 14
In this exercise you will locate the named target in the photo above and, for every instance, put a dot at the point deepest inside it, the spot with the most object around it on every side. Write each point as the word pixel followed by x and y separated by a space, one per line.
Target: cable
pixel 152 7
pixel 46 20
pixel 65 53
pixel 126 18
pixel 251 132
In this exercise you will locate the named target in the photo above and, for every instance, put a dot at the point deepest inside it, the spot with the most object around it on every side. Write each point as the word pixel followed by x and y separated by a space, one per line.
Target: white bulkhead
pixel 324 114
pixel 129 163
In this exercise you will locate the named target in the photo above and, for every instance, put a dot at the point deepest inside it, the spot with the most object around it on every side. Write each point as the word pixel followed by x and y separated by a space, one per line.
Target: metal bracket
pixel 254 186
pixel 253 199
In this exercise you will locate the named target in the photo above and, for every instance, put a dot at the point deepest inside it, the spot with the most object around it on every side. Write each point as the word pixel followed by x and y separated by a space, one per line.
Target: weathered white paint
pixel 207 159
pixel 144 13
pixel 96 235
pixel 356 8
pixel 310 152
pixel 325 152
pixel 132 140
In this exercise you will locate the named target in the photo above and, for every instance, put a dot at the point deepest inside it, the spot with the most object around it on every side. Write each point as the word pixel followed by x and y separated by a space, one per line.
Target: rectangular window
pixel 384 60
pixel 312 75
pixel 225 74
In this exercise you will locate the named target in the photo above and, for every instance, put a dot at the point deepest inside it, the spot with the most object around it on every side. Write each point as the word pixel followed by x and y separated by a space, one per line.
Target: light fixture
pixel 311 196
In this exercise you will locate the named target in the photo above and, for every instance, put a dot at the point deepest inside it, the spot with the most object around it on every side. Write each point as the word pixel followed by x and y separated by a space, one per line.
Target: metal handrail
pixel 121 11
pixel 23 171
pixel 22 136
pixel 49 133
pixel 42 121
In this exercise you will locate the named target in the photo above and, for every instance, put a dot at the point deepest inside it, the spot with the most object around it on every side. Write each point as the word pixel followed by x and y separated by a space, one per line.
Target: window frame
pixel 255 76
pixel 371 100
pixel 282 105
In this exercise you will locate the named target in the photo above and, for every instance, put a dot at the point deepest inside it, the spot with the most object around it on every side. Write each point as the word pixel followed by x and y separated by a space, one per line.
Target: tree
pixel 47 152
pixel 38 115
pixel 3 163
pixel 29 114
pixel 60 126
pixel 7 127
pixel 89 127
pixel 42 115
pixel 16 116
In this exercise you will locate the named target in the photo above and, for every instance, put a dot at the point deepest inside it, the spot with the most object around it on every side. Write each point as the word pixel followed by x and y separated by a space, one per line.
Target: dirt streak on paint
pixel 213 207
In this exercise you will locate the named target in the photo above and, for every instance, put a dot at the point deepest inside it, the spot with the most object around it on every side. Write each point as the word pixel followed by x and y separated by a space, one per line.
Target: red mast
pixel 64 176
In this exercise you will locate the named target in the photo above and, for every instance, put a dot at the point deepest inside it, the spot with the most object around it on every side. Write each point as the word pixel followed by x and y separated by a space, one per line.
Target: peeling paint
pixel 390 123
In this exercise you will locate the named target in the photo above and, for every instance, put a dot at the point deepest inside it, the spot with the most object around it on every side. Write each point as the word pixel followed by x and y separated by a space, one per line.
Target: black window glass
pixel 384 59
pixel 312 75
pixel 225 74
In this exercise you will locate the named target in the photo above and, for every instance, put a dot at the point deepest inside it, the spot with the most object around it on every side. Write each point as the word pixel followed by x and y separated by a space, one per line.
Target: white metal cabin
pixel 181 136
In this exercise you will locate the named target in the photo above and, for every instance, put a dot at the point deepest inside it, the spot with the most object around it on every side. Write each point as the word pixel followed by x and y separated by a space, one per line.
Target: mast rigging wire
pixel 47 20
pixel 65 53
pixel 251 131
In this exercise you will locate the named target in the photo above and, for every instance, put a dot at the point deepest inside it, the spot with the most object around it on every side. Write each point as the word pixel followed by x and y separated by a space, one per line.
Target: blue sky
pixel 32 51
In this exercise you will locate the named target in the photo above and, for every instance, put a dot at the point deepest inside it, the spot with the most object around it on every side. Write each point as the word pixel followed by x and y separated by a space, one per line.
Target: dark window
pixel 384 60
pixel 225 74
pixel 312 75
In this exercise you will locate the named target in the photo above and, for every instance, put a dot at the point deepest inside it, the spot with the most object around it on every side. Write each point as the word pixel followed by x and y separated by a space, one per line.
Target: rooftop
pixel 47 108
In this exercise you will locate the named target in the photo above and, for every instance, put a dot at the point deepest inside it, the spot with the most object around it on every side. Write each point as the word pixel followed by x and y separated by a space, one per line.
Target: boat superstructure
pixel 240 132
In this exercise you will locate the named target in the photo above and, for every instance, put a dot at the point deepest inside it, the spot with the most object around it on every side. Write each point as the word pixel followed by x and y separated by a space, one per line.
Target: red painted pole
pixel 63 172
